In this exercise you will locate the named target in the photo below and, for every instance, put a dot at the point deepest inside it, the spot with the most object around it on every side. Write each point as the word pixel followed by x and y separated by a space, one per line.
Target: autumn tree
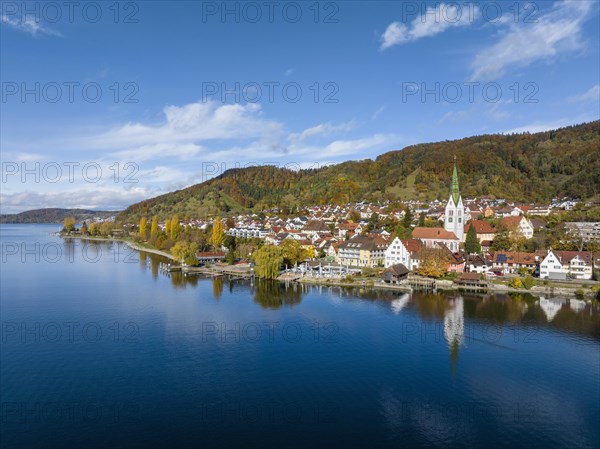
pixel 218 234
pixel 472 245
pixel 268 261
pixel 69 224
pixel 175 227
pixel 354 216
pixel 433 263
pixel 186 252
pixel 94 229
pixel 168 227
pixel 293 252
pixel 106 228
pixel 84 228
pixel 143 227
pixel 154 227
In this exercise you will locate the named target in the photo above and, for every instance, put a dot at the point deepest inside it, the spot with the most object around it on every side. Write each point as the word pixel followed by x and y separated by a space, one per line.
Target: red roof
pixel 433 234
pixel 512 220
pixel 412 245
pixel 481 227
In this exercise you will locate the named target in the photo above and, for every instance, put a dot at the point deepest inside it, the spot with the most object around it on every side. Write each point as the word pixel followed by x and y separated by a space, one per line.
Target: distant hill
pixel 519 167
pixel 54 215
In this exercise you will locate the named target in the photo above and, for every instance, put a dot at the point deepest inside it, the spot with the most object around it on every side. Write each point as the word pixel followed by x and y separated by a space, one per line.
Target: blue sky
pixel 138 91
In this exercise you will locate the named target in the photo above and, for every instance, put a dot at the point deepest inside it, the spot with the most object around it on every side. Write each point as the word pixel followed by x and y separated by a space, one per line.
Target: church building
pixel 454 217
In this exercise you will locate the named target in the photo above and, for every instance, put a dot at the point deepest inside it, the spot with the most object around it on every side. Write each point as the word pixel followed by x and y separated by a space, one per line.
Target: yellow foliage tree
pixel 433 263
pixel 154 227
pixel 175 227
pixel 218 234
pixel 69 224
pixel 143 227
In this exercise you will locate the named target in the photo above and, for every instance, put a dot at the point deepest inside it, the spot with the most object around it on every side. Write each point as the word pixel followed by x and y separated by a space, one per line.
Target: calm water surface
pixel 101 349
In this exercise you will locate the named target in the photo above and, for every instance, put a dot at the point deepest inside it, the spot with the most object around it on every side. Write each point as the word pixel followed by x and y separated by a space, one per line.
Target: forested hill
pixel 518 167
pixel 54 215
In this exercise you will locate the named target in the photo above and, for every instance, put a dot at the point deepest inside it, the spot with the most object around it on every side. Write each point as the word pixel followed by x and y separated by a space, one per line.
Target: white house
pixel 559 264
pixel 551 267
pixel 397 253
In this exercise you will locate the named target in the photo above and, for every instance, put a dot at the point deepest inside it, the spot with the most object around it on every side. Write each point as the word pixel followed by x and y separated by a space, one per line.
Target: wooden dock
pixel 422 283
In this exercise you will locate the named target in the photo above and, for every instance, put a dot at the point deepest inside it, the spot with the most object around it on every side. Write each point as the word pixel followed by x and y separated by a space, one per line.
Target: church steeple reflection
pixel 454 328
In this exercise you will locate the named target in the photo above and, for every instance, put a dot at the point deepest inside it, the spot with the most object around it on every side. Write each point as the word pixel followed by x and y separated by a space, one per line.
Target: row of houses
pixel 373 251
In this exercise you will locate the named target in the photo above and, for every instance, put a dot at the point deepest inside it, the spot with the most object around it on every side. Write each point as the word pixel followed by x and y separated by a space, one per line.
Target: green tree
pixel 84 228
pixel 268 261
pixel 422 219
pixel 143 227
pixel 472 245
pixel 408 218
pixel 501 239
pixel 218 234
pixel 528 282
pixel 354 216
pixel 373 222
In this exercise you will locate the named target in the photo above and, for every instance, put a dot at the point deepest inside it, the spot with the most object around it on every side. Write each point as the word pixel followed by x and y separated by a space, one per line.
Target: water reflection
pixel 273 295
pixel 551 307
pixel 454 328
pixel 446 308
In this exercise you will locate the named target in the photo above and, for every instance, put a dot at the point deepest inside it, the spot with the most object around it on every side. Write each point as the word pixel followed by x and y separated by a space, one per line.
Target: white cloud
pixel 434 21
pixel 19 156
pixel 189 123
pixel 114 198
pixel 377 113
pixel 555 32
pixel 396 33
pixel 186 151
pixel 172 154
pixel 593 94
pixel 323 129
pixel 29 25
pixel 539 126
pixel 348 147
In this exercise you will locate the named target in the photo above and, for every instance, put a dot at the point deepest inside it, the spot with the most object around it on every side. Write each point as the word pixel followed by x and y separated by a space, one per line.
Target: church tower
pixel 454 218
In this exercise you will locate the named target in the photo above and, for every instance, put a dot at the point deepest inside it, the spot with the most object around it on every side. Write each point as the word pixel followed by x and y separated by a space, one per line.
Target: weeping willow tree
pixel 268 261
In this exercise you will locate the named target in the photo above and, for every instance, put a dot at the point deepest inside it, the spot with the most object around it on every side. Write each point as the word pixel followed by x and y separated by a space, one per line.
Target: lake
pixel 99 348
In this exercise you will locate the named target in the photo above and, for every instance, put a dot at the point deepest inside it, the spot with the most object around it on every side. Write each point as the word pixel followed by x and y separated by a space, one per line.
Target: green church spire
pixel 455 192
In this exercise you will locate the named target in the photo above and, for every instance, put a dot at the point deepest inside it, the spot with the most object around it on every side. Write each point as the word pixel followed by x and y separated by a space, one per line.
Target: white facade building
pixel 397 253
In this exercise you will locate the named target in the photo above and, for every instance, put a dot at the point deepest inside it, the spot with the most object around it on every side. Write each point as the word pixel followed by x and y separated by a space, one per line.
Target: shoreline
pixel 127 242
pixel 550 290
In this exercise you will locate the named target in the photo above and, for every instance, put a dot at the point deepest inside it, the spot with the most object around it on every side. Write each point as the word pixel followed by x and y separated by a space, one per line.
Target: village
pixel 469 240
